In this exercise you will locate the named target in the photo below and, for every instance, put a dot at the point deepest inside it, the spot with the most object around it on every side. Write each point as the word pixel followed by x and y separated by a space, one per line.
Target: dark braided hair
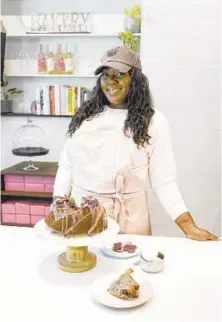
pixel 138 103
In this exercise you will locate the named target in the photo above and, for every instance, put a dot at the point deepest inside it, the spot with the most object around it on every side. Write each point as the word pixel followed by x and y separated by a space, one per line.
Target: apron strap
pixel 119 207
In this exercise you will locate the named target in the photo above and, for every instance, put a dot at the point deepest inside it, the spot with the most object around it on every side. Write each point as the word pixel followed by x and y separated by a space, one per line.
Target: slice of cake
pixel 81 227
pixel 125 287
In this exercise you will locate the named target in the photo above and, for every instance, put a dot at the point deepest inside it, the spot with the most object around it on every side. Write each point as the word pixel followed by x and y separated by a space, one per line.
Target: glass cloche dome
pixel 29 141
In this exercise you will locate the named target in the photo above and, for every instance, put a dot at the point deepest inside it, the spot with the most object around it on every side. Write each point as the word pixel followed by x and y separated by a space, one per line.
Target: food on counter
pixel 118 247
pixel 125 288
pixel 124 247
pixel 160 255
pixel 152 261
pixel 66 217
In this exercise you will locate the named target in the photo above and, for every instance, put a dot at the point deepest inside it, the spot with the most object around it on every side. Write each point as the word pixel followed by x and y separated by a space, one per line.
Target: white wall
pixel 181 57
pixel 15 7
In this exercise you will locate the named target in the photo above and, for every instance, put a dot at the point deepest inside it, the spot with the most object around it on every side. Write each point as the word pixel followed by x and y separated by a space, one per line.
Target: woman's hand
pixel 200 234
pixel 187 224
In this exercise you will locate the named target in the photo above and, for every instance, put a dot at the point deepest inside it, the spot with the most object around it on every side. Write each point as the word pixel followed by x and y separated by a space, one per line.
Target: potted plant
pixel 132 20
pixel 129 40
pixel 6 102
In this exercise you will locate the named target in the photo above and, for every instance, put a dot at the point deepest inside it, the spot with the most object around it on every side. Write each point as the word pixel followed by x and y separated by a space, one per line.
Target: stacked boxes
pixel 31 209
pixel 24 212
pixel 28 183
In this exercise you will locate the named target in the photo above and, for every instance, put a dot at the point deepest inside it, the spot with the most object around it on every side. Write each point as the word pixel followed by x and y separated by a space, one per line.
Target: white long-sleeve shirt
pixel 98 150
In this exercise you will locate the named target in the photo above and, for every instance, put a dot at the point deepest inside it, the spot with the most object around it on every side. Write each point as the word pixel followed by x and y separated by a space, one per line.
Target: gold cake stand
pixel 77 257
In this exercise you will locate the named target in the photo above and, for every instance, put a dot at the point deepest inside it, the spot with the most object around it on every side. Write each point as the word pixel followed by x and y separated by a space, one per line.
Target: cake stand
pixel 77 258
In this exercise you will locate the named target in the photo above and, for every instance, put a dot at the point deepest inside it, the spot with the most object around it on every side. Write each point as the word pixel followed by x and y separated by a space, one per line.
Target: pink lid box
pixel 49 180
pixel 47 210
pixel 8 218
pixel 39 179
pixel 13 178
pixel 38 208
pixel 49 187
pixel 8 207
pixel 14 186
pixel 34 187
pixel 22 207
pixel 35 219
pixel 34 179
pixel 23 219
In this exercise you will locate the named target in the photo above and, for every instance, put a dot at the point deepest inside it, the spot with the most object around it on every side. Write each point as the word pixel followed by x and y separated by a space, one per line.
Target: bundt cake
pixel 69 219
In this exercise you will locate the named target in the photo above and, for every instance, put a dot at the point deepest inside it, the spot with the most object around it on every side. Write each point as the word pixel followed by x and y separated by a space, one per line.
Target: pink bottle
pixel 41 60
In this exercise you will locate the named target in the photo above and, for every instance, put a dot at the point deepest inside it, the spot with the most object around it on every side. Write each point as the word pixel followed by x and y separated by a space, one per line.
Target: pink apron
pixel 129 209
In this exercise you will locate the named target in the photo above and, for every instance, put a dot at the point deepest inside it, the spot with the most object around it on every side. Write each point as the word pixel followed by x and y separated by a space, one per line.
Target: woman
pixel 116 144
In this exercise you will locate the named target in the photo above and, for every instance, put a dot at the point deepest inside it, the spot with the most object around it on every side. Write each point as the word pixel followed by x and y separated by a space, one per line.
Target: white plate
pixel 43 231
pixel 107 249
pixel 99 292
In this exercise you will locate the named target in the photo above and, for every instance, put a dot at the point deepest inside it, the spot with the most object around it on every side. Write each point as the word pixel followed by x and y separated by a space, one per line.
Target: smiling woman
pixel 117 143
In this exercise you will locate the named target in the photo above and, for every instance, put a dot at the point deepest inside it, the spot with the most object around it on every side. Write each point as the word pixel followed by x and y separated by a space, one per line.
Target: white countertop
pixel 33 288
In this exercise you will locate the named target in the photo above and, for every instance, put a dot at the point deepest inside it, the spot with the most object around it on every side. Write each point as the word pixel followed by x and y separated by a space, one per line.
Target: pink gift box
pixel 37 209
pixel 8 207
pixel 8 218
pixel 34 179
pixel 23 219
pixel 22 208
pixel 13 178
pixel 49 180
pixel 48 187
pixel 14 186
pixel 35 219
pixel 34 187
pixel 47 210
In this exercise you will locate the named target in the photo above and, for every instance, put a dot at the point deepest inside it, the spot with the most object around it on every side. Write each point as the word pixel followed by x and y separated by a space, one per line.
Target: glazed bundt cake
pixel 69 219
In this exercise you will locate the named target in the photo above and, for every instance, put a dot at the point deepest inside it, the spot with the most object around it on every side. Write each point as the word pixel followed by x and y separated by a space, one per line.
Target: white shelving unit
pixel 41 36
pixel 70 35
pixel 88 48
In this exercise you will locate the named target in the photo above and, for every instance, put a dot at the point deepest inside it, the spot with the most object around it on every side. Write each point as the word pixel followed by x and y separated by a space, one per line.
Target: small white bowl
pixel 151 263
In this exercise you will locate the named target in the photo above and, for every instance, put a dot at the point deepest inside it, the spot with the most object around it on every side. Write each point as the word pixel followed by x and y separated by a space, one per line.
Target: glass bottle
pixel 50 60
pixel 41 60
pixel 69 61
pixel 59 61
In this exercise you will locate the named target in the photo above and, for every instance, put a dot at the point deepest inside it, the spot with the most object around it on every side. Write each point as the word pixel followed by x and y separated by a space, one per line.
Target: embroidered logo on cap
pixel 112 52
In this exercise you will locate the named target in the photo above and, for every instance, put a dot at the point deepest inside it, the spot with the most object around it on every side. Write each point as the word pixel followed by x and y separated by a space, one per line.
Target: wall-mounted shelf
pixel 27 194
pixel 73 35
pixel 50 76
pixel 33 115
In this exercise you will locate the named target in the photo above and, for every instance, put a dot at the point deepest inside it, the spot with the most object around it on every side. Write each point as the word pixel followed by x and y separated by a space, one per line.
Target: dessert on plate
pixel 125 288
pixel 70 219
pixel 120 247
